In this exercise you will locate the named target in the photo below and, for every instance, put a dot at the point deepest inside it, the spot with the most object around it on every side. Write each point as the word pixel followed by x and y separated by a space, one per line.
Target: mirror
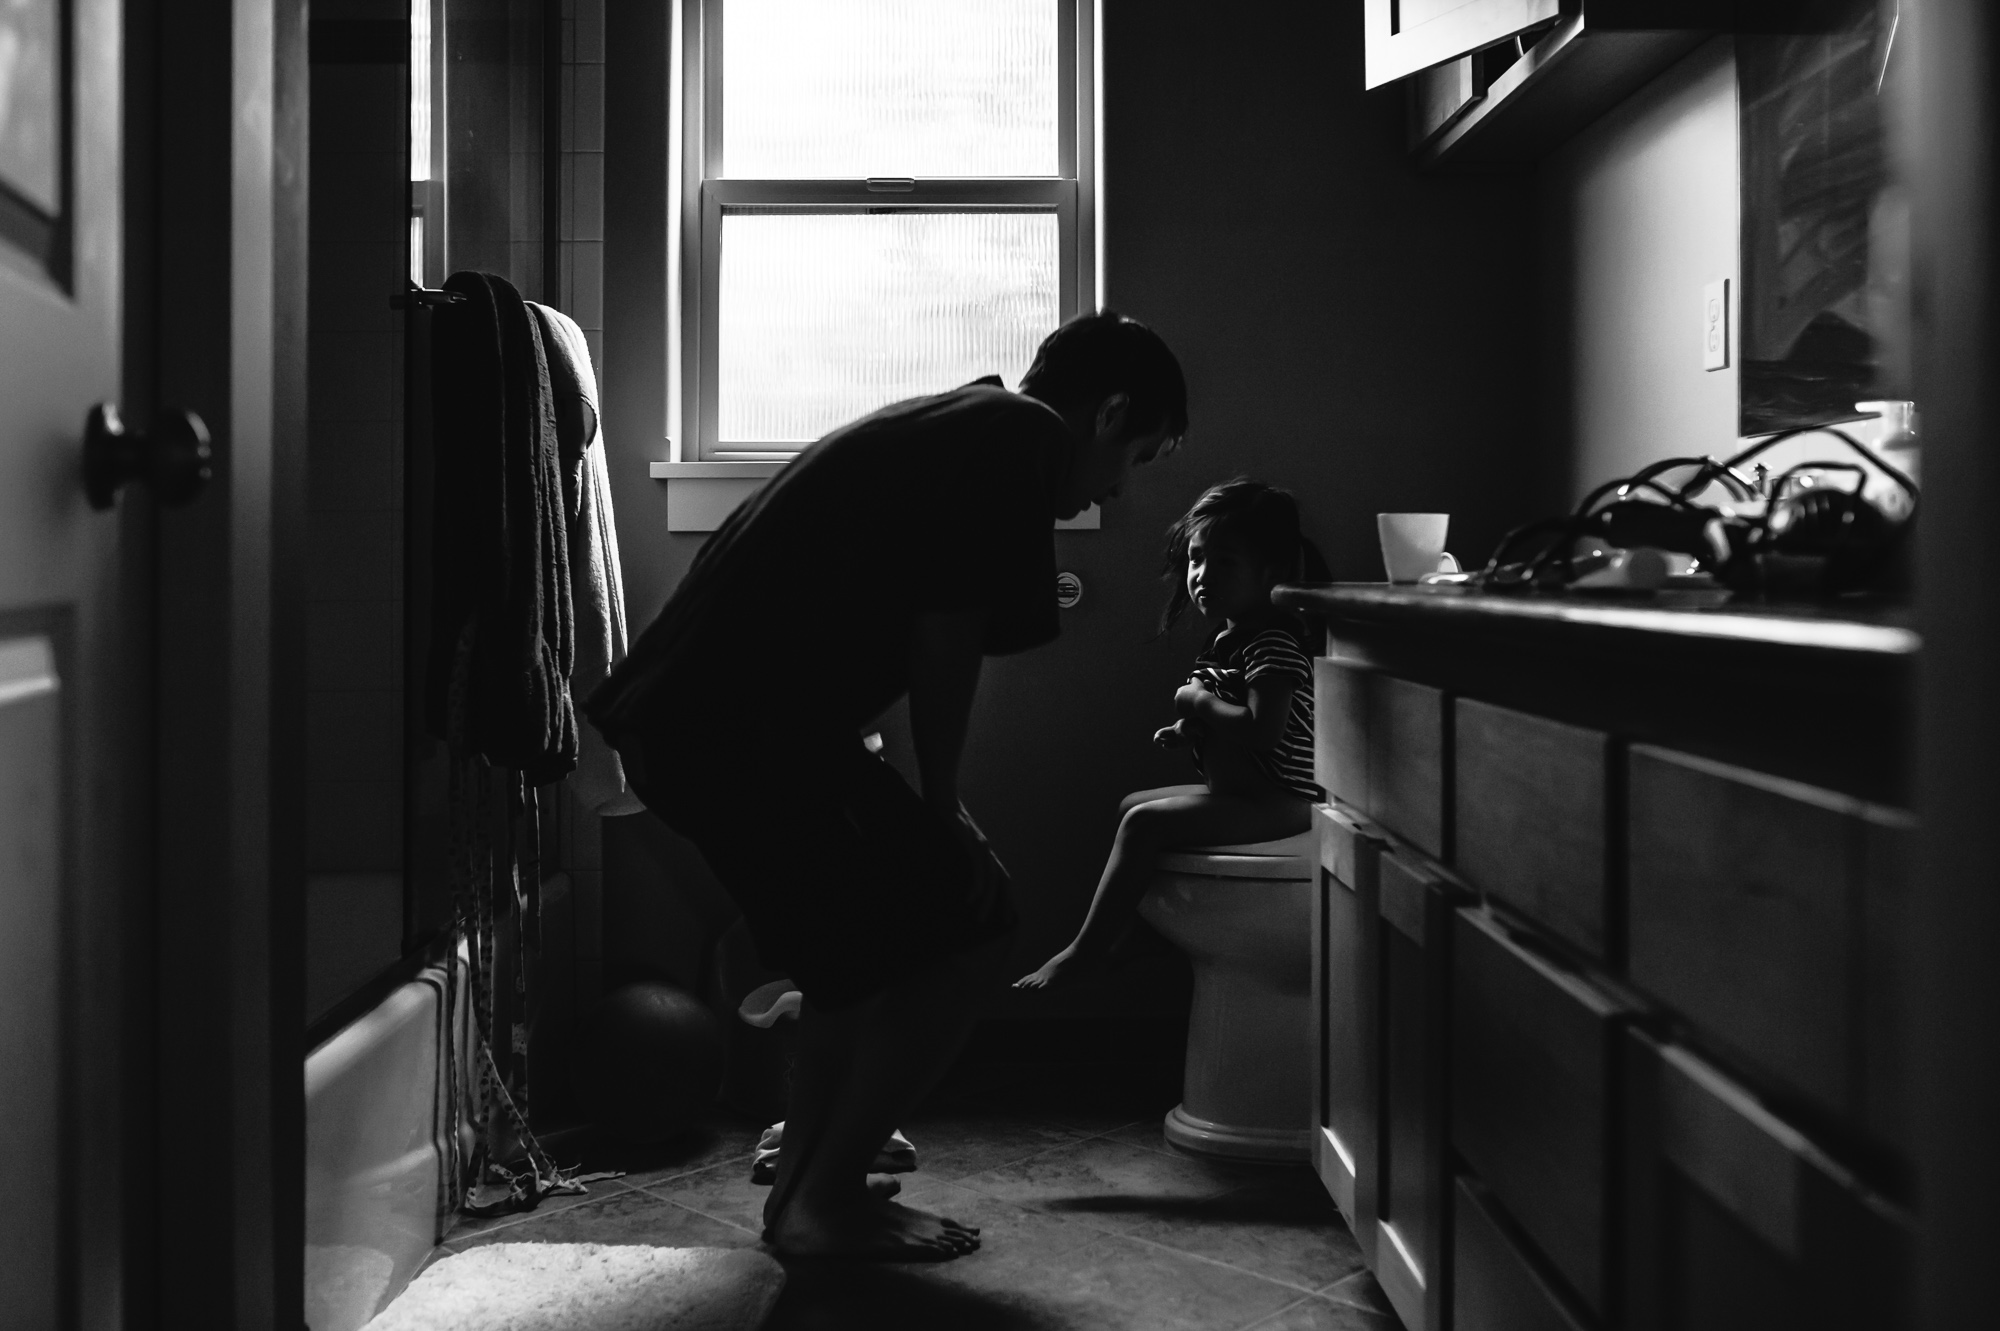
pixel 1825 233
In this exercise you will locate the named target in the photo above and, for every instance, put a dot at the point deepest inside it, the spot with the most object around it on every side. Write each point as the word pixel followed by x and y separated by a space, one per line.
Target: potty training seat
pixel 1243 914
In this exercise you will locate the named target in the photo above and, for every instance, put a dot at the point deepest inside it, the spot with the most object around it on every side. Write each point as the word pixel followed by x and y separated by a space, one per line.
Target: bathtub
pixel 375 1150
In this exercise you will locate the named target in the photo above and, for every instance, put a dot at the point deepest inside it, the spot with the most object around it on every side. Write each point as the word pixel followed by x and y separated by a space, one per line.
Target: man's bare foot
pixel 1063 967
pixel 878 1231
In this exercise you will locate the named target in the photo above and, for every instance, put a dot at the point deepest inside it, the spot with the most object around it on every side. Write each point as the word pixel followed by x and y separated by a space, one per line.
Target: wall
pixel 354 701
pixel 1345 329
pixel 1638 214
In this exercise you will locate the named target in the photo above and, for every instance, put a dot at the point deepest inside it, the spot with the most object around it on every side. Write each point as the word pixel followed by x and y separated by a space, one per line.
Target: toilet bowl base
pixel 1201 1136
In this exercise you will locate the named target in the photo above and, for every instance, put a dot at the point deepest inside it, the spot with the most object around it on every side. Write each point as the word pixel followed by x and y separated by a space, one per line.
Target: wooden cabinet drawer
pixel 1740 912
pixel 1340 731
pixel 1495 1284
pixel 1407 729
pixel 1888 848
pixel 1774 916
pixel 1413 956
pixel 1344 1013
pixel 1734 1219
pixel 1534 1055
pixel 1528 799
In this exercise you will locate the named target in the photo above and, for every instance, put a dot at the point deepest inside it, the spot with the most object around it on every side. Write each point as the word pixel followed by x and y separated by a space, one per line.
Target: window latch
pixel 891 185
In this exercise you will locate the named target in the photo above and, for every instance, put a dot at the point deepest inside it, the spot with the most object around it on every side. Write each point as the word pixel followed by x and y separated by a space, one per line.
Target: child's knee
pixel 1142 825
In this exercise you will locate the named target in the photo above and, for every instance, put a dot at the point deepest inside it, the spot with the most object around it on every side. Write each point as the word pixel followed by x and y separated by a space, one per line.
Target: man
pixel 888 558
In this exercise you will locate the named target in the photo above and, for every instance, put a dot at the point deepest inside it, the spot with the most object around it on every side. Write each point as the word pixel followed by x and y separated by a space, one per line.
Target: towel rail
pixel 416 296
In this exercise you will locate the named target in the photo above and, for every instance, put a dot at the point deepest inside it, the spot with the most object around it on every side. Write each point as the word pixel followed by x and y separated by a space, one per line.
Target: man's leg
pixel 859 1073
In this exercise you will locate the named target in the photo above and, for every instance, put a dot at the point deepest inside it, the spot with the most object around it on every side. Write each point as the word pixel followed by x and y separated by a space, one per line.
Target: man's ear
pixel 1112 414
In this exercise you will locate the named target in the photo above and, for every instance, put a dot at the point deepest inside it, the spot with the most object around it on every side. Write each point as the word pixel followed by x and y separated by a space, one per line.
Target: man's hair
pixel 1095 356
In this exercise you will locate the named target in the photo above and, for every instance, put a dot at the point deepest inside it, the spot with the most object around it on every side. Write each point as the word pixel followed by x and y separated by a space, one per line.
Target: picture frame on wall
pixel 34 133
pixel 1824 229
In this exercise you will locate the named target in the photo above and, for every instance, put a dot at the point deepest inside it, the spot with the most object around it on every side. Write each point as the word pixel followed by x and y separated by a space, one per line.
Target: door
pixel 73 788
pixel 146 937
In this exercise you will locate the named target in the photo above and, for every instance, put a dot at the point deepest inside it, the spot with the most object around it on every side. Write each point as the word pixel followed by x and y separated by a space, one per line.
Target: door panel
pixel 1534 1046
pixel 1496 1285
pixel 1413 972
pixel 31 946
pixel 1528 795
pixel 1345 929
pixel 69 692
pixel 1735 1219
pixel 1747 928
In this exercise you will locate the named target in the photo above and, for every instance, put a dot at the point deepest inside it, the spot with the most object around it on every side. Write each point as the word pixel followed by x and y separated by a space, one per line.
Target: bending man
pixel 888 558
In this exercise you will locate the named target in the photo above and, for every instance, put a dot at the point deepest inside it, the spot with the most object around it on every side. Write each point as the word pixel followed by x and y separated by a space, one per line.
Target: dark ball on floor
pixel 651 1062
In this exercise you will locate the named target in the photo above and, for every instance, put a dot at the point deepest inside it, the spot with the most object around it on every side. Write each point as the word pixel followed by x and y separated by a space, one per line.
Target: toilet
pixel 1243 914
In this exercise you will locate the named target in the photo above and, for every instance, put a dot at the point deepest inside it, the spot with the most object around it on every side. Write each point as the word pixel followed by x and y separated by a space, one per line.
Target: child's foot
pixel 1063 967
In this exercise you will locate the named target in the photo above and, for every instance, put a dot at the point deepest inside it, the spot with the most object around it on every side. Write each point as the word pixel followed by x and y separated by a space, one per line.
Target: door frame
pixel 212 1195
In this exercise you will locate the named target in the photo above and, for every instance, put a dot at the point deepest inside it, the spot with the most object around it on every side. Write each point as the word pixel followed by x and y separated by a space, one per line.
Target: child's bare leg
pixel 1199 818
pixel 1157 793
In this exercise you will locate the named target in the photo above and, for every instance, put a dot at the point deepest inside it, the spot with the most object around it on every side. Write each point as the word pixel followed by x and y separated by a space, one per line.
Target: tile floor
pixel 1089 1220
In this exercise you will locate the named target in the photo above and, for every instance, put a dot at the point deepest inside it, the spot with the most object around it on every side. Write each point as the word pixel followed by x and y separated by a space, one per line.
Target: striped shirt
pixel 1237 657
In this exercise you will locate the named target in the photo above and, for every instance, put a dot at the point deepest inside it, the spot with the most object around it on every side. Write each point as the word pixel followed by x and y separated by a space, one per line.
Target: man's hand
pixel 1174 736
pixel 944 675
pixel 986 866
pixel 1189 696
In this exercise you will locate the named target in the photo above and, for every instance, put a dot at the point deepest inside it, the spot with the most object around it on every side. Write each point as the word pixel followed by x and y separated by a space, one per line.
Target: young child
pixel 1246 710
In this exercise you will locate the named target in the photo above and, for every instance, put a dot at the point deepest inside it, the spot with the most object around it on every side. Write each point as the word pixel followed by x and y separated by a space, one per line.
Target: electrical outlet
pixel 1715 325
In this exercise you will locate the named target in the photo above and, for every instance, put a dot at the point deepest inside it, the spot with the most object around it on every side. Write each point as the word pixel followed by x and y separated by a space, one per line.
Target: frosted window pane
pixel 827 317
pixel 853 88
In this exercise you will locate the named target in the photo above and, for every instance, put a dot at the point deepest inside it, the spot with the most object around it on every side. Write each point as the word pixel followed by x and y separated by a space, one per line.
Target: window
pixel 877 199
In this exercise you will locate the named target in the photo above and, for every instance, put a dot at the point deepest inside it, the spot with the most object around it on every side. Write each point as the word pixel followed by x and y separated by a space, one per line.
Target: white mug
pixel 1412 543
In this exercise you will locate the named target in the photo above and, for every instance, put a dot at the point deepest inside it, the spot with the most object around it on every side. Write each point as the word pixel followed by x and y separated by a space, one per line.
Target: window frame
pixel 702 193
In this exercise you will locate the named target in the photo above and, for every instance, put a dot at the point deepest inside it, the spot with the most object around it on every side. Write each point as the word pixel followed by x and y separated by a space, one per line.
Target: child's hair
pixel 1260 518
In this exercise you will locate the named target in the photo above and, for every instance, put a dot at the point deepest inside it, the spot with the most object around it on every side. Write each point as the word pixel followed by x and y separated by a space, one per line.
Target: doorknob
pixel 174 460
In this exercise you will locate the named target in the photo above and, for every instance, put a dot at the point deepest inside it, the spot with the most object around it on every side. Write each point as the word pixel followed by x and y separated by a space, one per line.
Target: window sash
pixel 706 194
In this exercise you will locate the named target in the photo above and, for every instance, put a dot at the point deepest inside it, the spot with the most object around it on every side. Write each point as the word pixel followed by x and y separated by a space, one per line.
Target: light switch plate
pixel 1715 325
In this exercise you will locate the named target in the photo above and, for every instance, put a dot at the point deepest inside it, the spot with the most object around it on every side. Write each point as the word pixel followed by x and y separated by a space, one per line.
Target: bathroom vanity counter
pixel 1691 617
pixel 1820 694
pixel 1608 968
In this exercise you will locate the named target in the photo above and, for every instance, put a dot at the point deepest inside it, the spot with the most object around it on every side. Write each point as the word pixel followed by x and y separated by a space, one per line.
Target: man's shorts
pixel 847 880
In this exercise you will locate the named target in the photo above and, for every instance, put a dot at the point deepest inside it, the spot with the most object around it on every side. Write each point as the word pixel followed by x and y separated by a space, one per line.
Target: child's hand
pixel 1189 696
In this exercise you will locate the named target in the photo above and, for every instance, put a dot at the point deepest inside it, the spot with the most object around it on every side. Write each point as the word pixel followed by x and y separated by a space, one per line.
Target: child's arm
pixel 1257 726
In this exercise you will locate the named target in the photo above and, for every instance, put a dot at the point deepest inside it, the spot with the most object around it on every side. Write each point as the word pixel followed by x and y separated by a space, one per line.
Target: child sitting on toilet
pixel 1246 711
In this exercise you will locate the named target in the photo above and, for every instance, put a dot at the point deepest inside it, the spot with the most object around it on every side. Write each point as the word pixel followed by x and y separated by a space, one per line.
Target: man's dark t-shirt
pixel 792 630
pixel 802 606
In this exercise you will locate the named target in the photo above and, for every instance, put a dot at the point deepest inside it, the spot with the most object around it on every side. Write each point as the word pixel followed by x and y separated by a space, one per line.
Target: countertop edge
pixel 1384 603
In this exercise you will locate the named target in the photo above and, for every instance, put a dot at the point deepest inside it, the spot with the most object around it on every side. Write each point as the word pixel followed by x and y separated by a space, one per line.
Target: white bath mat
pixel 588 1287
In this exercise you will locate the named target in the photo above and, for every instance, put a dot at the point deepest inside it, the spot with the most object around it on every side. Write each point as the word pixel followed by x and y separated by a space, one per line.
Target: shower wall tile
pixel 587 307
pixel 568 94
pixel 586 214
pixel 589 106
pixel 353 376
pixel 352 465
pixel 355 734
pixel 589 20
pixel 351 282
pixel 357 107
pixel 357 555
pixel 354 645
pixel 354 826
pixel 354 191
